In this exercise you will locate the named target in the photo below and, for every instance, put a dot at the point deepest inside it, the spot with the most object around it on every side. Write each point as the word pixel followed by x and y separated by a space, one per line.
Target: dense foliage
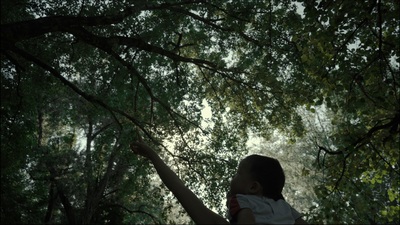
pixel 80 80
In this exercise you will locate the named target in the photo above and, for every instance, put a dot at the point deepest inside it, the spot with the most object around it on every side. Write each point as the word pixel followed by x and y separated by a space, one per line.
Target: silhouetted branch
pixel 155 220
pixel 391 126
pixel 86 96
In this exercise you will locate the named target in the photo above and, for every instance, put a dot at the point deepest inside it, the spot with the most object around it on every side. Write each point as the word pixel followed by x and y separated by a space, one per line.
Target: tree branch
pixel 88 97
pixel 137 211
pixel 213 25
pixel 15 32
pixel 360 142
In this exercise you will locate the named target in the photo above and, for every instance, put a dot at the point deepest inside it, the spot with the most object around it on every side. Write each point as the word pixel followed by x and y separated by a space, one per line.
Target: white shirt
pixel 265 210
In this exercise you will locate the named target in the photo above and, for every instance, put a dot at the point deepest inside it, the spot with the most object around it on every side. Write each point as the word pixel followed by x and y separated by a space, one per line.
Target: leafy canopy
pixel 82 79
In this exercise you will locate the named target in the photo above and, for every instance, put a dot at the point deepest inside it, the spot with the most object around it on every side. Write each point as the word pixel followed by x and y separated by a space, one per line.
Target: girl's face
pixel 242 182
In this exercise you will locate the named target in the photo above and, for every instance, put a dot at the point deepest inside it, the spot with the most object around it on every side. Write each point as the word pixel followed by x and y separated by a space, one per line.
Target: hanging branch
pixel 89 98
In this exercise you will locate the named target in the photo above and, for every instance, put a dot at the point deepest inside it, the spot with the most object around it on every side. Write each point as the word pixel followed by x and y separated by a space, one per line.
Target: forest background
pixel 312 83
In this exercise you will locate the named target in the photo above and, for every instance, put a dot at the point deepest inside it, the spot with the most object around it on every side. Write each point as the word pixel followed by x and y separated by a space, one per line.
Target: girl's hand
pixel 142 149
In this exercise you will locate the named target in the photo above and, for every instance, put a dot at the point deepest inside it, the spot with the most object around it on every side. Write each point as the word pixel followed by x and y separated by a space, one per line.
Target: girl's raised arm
pixel 196 209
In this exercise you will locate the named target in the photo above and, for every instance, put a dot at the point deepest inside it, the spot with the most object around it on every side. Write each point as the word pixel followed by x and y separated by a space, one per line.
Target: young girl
pixel 256 188
pixel 252 199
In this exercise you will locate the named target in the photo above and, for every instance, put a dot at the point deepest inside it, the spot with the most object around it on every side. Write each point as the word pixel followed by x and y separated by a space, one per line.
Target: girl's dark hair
pixel 269 173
